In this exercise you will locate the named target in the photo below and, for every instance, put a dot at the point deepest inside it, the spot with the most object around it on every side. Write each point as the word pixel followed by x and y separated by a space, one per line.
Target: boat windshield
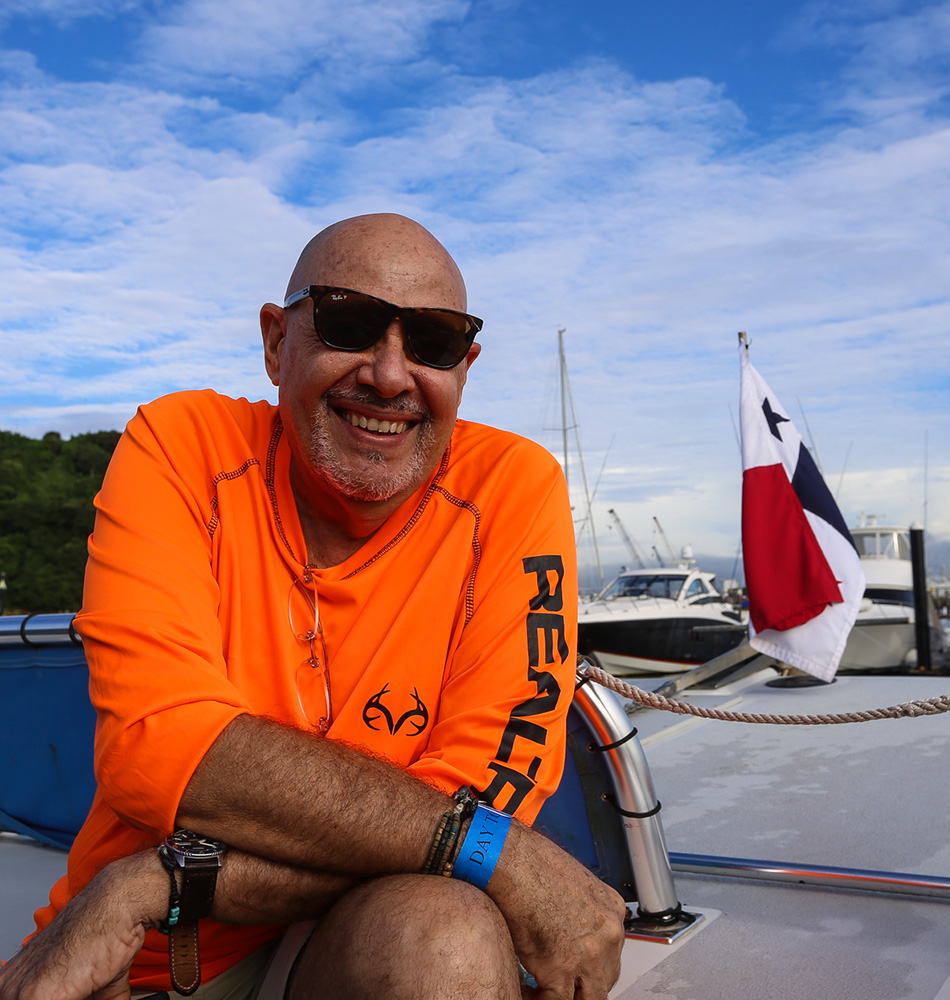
pixel 882 543
pixel 635 585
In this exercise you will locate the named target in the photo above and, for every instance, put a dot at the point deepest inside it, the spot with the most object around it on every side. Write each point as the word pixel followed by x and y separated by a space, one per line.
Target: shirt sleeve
pixel 510 680
pixel 149 620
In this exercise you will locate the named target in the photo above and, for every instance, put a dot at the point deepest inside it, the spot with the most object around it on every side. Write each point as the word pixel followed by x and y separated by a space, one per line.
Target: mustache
pixel 368 398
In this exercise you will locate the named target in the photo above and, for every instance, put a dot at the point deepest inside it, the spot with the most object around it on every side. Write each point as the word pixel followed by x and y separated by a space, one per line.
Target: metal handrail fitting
pixel 38 630
pixel 635 798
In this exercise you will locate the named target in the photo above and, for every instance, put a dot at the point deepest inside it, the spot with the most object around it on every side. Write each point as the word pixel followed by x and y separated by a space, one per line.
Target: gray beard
pixel 371 481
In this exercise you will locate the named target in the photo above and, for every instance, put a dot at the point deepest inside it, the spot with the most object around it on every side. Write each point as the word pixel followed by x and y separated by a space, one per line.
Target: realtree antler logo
pixel 374 710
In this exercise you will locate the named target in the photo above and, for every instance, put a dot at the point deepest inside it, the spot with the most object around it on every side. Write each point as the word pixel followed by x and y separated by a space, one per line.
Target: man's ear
pixel 473 353
pixel 273 330
pixel 463 368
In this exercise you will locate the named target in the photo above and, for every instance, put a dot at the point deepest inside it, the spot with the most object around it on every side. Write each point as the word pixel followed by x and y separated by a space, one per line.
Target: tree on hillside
pixel 46 514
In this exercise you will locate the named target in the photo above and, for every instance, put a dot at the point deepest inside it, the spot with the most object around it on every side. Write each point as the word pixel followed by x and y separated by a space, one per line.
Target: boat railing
pixel 659 913
pixel 38 630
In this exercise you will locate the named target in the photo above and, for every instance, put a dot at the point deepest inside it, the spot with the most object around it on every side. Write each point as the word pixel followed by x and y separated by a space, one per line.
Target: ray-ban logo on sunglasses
pixel 375 711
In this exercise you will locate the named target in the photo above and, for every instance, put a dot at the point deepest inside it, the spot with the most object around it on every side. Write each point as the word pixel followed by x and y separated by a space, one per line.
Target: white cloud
pixel 897 54
pixel 246 44
pixel 140 229
pixel 62 12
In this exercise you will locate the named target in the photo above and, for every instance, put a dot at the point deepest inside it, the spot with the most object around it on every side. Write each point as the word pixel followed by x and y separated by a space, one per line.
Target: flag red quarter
pixel 787 575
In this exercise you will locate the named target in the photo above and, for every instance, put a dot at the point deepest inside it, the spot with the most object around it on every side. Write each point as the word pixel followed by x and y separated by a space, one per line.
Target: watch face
pixel 188 845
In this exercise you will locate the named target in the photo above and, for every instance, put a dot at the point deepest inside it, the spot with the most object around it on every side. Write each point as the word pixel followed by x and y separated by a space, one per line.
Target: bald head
pixel 386 255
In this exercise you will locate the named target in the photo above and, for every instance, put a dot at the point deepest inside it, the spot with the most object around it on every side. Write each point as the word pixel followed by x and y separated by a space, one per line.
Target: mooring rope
pixel 650 699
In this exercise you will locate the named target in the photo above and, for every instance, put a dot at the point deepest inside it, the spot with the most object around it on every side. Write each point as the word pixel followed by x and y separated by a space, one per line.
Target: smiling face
pixel 368 425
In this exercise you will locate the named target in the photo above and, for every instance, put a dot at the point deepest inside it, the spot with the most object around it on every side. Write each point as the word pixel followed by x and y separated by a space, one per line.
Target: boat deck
pixel 869 795
pixel 27 870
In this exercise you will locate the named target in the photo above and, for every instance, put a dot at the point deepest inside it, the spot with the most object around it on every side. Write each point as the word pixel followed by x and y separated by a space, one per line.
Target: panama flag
pixel 802 571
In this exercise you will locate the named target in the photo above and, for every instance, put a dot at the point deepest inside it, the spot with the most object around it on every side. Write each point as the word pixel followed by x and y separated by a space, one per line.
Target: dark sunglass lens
pixel 348 321
pixel 438 339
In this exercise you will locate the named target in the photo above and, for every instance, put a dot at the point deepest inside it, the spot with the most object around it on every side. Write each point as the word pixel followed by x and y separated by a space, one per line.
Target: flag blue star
pixel 773 418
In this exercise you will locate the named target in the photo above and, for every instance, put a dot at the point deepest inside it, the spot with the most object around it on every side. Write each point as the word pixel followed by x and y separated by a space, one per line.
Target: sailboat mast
pixel 567 399
pixel 563 373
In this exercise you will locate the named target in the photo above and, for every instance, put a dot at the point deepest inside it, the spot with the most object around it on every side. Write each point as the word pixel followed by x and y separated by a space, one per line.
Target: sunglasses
pixel 313 674
pixel 353 321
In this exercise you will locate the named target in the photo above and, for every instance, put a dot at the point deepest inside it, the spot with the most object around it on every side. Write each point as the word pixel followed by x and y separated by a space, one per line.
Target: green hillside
pixel 46 514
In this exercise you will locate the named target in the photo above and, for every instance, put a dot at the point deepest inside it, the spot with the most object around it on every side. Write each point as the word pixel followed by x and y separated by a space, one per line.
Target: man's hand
pixel 88 949
pixel 566 925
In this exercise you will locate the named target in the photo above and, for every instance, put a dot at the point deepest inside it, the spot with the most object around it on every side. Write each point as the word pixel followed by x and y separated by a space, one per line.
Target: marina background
pixel 651 178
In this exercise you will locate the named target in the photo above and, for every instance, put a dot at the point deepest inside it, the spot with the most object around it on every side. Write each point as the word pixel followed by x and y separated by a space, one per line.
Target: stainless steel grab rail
pixel 38 630
pixel 634 796
pixel 828 876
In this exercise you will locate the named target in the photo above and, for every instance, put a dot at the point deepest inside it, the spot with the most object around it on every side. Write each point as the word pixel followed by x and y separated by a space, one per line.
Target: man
pixel 306 629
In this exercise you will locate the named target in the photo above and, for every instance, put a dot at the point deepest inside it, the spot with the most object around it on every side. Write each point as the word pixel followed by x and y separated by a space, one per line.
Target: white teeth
pixel 377 426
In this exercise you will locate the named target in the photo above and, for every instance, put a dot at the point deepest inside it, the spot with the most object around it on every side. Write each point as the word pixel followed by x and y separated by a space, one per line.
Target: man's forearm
pixel 253 890
pixel 92 942
pixel 309 802
pixel 249 890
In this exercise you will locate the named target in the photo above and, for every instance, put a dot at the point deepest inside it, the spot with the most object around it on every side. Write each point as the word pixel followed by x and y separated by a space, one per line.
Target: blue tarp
pixel 46 741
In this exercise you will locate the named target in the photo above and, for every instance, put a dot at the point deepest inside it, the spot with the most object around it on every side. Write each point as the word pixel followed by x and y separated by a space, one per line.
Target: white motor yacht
pixel 884 635
pixel 659 621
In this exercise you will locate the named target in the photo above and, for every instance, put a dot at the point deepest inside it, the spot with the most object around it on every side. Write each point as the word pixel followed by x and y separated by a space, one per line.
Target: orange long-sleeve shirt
pixel 450 634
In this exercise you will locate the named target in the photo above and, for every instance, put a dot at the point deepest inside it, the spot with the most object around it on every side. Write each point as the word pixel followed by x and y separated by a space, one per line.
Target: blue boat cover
pixel 46 741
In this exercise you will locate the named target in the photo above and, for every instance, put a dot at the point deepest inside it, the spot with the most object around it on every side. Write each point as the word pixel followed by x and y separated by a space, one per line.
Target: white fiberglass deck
pixel 870 795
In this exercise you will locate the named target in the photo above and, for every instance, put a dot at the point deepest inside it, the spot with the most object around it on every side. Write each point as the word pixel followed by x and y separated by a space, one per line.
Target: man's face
pixel 371 424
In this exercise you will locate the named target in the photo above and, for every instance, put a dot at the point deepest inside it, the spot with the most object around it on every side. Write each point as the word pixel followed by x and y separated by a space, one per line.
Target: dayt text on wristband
pixel 482 846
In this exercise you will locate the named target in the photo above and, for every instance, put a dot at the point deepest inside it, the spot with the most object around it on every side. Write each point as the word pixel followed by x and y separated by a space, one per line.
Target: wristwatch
pixel 199 859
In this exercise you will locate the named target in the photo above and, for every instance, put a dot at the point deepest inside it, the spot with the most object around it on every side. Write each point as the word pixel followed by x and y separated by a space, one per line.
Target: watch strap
pixel 187 906
pixel 183 961
pixel 198 880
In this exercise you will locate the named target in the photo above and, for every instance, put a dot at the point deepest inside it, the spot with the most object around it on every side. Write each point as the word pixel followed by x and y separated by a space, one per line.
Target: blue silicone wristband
pixel 481 848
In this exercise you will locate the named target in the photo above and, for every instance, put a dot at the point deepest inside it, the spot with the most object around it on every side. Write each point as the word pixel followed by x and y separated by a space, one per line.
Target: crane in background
pixel 685 558
pixel 628 541
pixel 666 542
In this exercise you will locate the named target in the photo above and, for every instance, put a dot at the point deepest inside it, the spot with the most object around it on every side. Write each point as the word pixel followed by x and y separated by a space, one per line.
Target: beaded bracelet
pixel 441 858
pixel 174 897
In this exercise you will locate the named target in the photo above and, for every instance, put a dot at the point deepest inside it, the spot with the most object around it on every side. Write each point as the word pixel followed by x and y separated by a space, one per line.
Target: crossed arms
pixel 294 855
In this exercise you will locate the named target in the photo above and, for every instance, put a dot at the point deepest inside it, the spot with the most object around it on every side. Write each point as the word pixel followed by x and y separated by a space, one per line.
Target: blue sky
pixel 652 177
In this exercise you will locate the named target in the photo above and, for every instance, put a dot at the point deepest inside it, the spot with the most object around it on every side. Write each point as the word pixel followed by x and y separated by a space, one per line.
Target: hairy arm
pixel 566 925
pixel 88 949
pixel 311 802
pixel 365 817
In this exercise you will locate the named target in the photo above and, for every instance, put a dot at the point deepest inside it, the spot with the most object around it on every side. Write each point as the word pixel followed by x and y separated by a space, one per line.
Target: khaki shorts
pixel 261 976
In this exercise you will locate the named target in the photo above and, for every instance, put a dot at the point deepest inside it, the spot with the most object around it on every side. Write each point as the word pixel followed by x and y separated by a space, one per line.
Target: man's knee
pixel 410 935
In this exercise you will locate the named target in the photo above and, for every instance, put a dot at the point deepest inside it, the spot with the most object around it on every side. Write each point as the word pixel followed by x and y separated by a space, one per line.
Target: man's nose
pixel 388 366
